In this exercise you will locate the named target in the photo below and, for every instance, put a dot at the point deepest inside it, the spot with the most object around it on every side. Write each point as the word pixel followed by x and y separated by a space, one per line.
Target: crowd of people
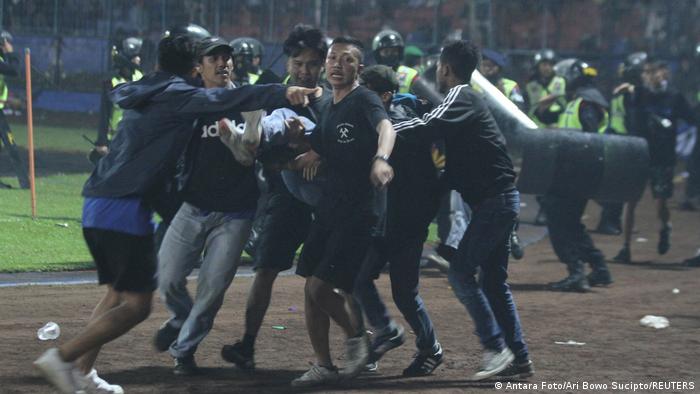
pixel 344 161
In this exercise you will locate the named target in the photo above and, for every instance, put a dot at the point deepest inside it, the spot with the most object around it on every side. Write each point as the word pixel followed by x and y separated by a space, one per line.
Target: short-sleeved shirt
pixel 346 139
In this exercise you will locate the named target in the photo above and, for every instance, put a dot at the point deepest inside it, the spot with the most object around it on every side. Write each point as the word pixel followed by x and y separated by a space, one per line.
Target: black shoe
pixel 424 364
pixel 238 355
pixel 694 262
pixel 624 256
pixel 165 336
pixel 383 343
pixel 517 371
pixel 516 250
pixel 664 240
pixel 608 228
pixel 186 366
pixel 599 277
pixel 541 218
pixel 576 283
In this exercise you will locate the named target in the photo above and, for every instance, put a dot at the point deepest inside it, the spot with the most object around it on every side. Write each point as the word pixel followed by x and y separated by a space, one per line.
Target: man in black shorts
pixel 356 162
pixel 160 112
pixel 659 108
pixel 285 219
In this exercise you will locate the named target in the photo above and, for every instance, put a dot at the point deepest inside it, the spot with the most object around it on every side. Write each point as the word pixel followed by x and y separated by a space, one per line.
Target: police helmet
pixel 258 49
pixel 195 32
pixel 545 55
pixel 131 47
pixel 388 39
pixel 5 36
pixel 243 54
pixel 575 72
pixel 631 68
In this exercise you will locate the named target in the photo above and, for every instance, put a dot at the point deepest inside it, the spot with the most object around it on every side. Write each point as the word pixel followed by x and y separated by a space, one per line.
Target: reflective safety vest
pixel 4 91
pixel 253 78
pixel 617 114
pixel 569 119
pixel 405 75
pixel 508 86
pixel 535 93
pixel 117 112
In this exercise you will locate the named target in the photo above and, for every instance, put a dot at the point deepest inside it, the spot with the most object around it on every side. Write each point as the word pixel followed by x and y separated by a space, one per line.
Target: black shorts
pixel 661 180
pixel 127 262
pixel 285 223
pixel 337 244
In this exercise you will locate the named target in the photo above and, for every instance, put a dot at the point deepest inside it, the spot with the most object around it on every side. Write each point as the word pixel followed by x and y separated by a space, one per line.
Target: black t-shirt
pixel 215 180
pixel 346 138
pixel 658 114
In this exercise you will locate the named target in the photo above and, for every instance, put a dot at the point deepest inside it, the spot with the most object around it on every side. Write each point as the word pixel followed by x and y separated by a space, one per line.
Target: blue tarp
pixel 61 101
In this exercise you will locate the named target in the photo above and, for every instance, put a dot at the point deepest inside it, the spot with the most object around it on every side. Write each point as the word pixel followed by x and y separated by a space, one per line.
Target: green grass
pixel 54 138
pixel 45 243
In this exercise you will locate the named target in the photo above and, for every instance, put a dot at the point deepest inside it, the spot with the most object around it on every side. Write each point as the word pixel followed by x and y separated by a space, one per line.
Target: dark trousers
pixel 568 235
pixel 489 301
pixel 8 142
pixel 403 256
pixel 611 213
pixel 692 187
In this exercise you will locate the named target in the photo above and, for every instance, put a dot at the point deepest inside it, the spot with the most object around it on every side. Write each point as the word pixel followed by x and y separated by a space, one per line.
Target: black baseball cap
pixel 381 78
pixel 210 44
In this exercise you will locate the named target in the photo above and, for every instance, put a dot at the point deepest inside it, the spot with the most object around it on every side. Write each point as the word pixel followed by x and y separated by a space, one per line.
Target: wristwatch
pixel 384 158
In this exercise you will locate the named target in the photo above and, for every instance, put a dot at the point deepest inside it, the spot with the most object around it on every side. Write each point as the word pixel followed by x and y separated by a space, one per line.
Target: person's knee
pixel 139 305
pixel 264 278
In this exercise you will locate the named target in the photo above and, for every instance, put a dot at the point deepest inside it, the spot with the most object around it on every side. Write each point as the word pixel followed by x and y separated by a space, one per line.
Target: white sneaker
pixel 58 372
pixel 232 137
pixel 357 354
pixel 93 384
pixel 493 363
pixel 317 376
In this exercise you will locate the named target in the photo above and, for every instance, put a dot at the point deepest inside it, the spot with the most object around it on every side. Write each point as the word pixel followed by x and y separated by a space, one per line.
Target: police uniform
pixel 536 91
pixel 9 67
pixel 586 111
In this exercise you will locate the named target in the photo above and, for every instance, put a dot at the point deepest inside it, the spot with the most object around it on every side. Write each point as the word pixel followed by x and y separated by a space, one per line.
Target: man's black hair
pixel 177 55
pixel 462 56
pixel 303 37
pixel 351 41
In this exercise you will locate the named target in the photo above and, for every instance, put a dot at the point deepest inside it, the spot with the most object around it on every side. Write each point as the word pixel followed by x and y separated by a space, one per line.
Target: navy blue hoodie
pixel 159 119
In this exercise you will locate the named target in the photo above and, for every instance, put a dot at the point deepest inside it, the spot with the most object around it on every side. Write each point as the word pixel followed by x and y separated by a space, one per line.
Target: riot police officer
pixel 126 63
pixel 492 65
pixel 586 110
pixel 388 49
pixel 545 90
pixel 9 66
pixel 244 53
pixel 545 97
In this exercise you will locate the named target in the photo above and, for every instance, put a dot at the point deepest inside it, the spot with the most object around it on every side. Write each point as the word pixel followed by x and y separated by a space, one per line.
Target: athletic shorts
pixel 661 180
pixel 125 261
pixel 285 223
pixel 337 244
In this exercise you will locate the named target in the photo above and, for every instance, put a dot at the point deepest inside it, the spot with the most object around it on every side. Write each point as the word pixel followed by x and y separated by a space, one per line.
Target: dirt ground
pixel 617 348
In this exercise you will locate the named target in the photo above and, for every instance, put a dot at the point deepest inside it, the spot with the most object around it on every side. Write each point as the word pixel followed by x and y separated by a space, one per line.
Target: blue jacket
pixel 159 119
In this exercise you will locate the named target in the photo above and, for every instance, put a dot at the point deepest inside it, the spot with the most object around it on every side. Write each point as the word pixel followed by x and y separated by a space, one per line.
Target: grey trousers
pixel 216 239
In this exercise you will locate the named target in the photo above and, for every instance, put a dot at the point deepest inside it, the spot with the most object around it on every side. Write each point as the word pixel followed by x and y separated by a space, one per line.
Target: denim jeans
pixel 404 269
pixel 489 301
pixel 218 241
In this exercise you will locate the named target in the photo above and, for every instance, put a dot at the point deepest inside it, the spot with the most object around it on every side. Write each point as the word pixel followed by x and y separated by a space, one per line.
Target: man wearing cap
pixel 492 65
pixel 214 221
